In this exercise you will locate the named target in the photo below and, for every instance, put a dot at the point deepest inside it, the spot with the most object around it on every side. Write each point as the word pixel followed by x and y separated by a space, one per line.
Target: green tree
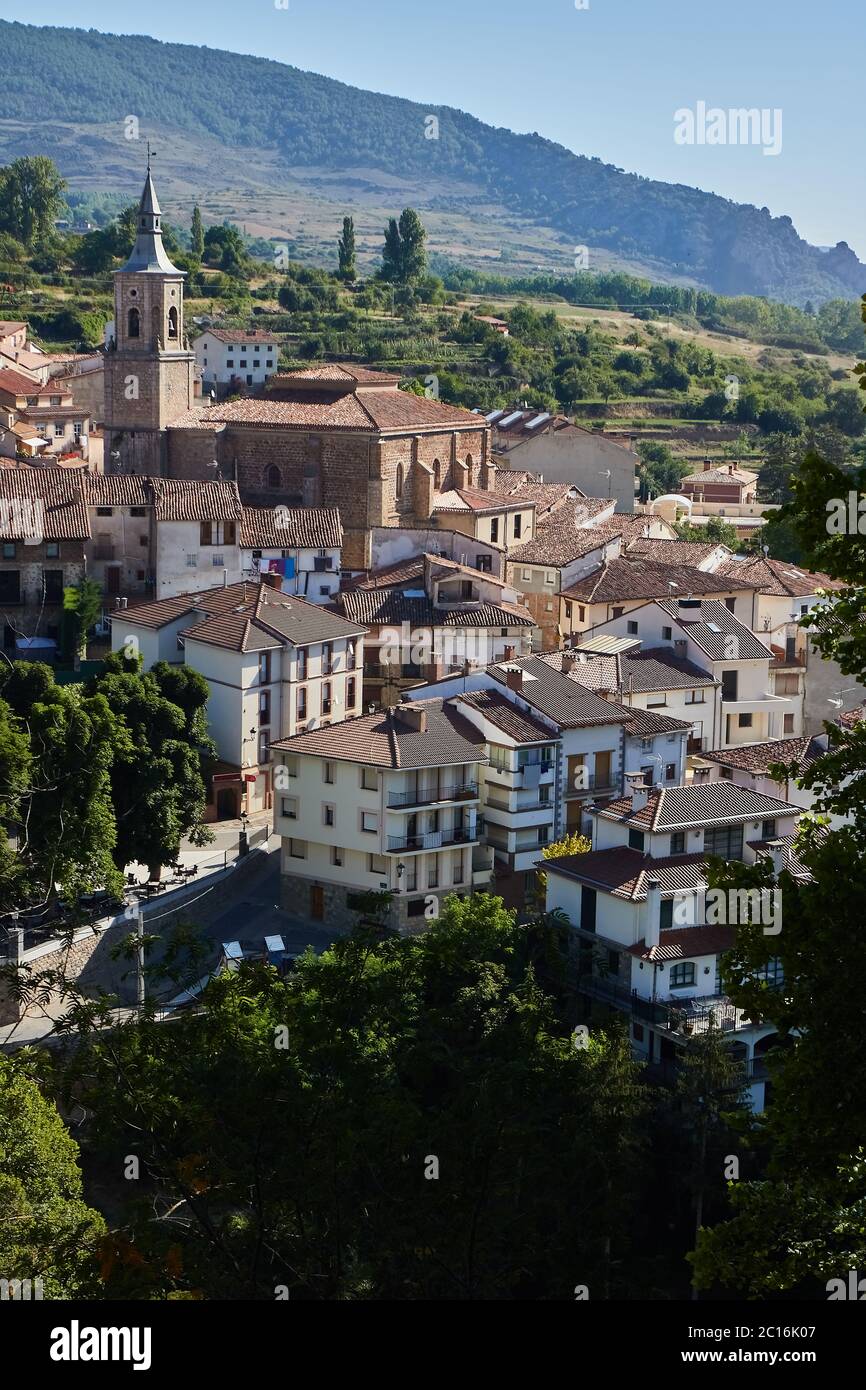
pixel 157 780
pixel 659 471
pixel 47 1230
pixel 82 605
pixel 31 198
pixel 197 233
pixel 346 250
pixel 403 1118
pixel 716 532
pixel 404 257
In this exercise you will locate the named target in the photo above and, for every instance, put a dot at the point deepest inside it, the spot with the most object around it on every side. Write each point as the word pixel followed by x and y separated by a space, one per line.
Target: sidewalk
pixel 208 859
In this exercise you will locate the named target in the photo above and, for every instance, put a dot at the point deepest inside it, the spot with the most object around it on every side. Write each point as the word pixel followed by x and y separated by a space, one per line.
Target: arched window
pixel 398 485
pixel 437 474
pixel 133 324
pixel 273 477
pixel 469 467
pixel 172 322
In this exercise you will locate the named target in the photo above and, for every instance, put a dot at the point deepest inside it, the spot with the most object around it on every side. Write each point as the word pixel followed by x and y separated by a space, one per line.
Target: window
pixel 670 772
pixel 133 324
pixel 350 693
pixel 567 607
pixel 433 874
pixel 745 721
pixel 265 708
pixel 518 522
pixel 725 841
pixel 788 724
pixel 637 1032
pixel 437 474
pixel 772 972
pixel 729 685
pixel 52 550
pixel 636 840
pixel 264 668
pixel 52 581
pixel 351 656
pixel 631 627
pixel 55 400
pixel 398 482
pixel 230 362
pixel 290 763
pixel 484 563
pixel 667 634
pixel 326 698
pixel 377 864
pixel 172 322
pixel 369 822
pixel 192 561
pixel 457 869
pixel 678 842
pixel 327 658
pixel 264 747
pixel 297 849
pixel 730 604
pixel 618 612
pixel 8 550
pixel 768 830
pixel 329 814
pixel 646 745
pixel 527 576
pixel 302 703
pixel 550 577
pixel 682 974
pixel 544 795
pixel 322 563
pixel 544 834
pixel 369 779
pixel 328 773
pixel 694 697
pixel 289 807
pixel 494 529
pixel 301 665
pixel 336 857
pixel 105 511
pixel 273 476
pixel 59 429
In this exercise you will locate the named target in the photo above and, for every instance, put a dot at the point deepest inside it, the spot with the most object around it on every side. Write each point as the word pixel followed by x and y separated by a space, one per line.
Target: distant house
pixel 564 453
pixel 230 358
pixel 728 484
pixel 303 545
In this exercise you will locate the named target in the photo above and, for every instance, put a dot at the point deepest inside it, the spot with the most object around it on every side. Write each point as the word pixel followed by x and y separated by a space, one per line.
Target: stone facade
pixel 295 897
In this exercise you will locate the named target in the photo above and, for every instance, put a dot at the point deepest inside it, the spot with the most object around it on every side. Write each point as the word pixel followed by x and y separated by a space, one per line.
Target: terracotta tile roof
pixel 721 475
pixel 699 803
pixel 656 668
pixel 681 943
pixel 757 757
pixel 273 619
pixel 206 601
pixel 45 501
pixel 623 872
pixel 520 726
pixel 237 335
pixel 291 528
pixel 559 538
pixel 632 577
pixel 195 501
pixel 593 672
pixel 377 607
pixel 779 577
pixel 412 569
pixel 673 552
pixel 339 373
pixel 387 739
pixel 468 499
pixel 10 326
pixel 17 384
pixel 852 717
pixel 117 490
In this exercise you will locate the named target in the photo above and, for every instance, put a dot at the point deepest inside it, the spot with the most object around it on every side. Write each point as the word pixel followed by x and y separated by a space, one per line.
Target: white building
pixel 642 896
pixel 228 357
pixel 275 665
pixel 385 803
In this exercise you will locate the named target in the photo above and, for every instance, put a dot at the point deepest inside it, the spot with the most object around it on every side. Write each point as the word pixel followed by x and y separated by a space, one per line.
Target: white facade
pixel 316 573
pixel 249 360
pixel 196 555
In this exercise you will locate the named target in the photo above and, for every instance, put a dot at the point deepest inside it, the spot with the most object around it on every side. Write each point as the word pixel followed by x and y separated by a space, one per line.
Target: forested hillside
pixel 54 78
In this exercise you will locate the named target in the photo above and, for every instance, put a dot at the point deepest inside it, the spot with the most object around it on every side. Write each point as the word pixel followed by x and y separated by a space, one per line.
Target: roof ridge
pixel 392 738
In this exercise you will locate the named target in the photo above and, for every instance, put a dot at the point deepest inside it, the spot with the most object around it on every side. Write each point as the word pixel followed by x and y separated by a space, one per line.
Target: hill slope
pixel 67 92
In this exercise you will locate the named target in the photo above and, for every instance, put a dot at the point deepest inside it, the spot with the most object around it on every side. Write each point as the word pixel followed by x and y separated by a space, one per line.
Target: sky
pixel 603 77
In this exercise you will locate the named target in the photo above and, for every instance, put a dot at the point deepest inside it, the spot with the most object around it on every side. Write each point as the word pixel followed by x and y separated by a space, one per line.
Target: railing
pixel 684 1016
pixel 434 839
pixel 467 791
pixel 590 782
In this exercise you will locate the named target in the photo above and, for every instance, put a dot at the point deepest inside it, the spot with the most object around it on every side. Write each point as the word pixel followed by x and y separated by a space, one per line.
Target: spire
pixel 148 253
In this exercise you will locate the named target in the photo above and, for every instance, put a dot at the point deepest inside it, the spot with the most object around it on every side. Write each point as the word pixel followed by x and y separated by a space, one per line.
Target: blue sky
pixel 604 81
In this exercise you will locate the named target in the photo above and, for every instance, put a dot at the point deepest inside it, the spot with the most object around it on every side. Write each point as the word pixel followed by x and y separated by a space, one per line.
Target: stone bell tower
pixel 149 368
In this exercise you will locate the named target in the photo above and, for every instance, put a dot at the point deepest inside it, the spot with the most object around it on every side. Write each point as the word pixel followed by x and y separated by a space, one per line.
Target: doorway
pixel 317 902
pixel 227 804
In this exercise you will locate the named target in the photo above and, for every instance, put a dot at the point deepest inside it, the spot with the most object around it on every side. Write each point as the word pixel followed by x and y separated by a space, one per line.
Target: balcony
pixel 467 791
pixel 593 785
pixel 435 839
pixel 681 1017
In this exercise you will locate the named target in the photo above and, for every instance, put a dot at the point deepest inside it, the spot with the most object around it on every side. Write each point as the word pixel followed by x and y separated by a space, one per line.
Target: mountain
pixel 287 150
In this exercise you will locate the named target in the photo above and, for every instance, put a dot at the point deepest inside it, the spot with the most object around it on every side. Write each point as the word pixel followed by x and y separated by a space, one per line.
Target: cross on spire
pixel 150 155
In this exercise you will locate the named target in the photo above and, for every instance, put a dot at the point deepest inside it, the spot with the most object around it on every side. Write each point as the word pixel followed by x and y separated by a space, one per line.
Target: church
pixel 332 435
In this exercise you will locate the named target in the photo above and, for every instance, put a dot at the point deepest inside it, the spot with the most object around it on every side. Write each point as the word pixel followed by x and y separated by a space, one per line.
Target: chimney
pixel 514 680
pixel 509 653
pixel 271 581
pixel 567 663
pixel 731 467
pixel 639 796
pixel 708 463
pixel 653 912
pixel 689 610
pixel 414 716
pixel 779 856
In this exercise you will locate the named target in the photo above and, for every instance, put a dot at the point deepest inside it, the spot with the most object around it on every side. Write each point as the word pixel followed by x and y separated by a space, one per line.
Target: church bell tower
pixel 149 368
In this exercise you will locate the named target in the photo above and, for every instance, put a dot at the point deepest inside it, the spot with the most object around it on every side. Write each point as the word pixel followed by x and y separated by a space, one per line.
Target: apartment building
pixel 428 616
pixel 638 907
pixel 563 452
pixel 229 358
pixel 624 583
pixel 44 530
pixel 387 802
pixel 274 663
pixel 706 634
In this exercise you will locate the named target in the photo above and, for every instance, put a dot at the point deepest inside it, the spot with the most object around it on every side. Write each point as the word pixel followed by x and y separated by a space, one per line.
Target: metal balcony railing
pixel 434 839
pixel 467 791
